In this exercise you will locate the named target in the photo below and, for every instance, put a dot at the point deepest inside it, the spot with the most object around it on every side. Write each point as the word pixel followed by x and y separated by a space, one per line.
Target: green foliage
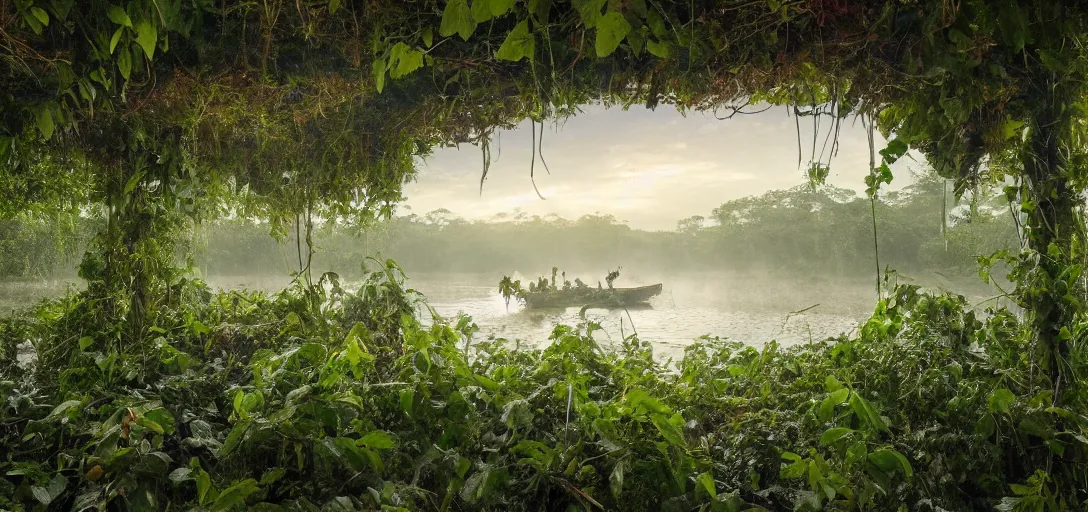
pixel 316 397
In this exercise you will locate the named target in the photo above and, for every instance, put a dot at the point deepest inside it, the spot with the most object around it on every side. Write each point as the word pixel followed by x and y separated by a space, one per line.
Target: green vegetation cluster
pixel 320 398
pixel 164 113
pixel 795 232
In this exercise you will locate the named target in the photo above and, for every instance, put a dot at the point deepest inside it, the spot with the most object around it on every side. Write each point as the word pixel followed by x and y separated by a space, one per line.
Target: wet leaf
pixel 611 29
pixel 147 36
pixel 519 44
pixel 457 19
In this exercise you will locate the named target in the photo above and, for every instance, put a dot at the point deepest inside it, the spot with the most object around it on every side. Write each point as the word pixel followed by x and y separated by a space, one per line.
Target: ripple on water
pixel 669 327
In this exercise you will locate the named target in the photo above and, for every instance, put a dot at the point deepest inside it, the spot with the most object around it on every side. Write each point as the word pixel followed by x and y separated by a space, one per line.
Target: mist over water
pixel 753 308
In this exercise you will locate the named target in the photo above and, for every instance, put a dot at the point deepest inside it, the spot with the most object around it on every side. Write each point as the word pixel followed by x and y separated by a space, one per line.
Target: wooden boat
pixel 592 297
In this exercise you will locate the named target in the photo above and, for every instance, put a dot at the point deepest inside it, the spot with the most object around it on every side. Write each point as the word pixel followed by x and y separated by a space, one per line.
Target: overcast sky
pixel 650 168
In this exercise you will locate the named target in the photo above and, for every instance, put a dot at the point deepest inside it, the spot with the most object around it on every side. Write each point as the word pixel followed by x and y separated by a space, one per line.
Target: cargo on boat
pixel 547 294
pixel 604 298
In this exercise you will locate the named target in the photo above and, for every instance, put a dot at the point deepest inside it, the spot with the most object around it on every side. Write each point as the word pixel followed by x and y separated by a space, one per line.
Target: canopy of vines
pixel 276 101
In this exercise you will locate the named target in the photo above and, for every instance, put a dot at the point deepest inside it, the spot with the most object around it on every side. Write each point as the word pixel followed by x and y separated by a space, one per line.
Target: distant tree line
pixel 803 230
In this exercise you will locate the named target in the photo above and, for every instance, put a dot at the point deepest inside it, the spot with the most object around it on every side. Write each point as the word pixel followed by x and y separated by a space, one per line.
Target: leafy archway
pixel 161 112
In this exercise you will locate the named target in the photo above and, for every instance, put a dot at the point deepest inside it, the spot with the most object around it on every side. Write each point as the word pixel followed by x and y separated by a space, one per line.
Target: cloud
pixel 651 168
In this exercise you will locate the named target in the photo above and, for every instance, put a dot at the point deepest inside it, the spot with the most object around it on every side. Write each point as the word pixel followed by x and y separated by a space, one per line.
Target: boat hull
pixel 592 297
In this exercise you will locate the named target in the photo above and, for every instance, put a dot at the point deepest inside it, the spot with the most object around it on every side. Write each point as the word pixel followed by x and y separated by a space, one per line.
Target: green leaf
pixel 519 44
pixel 457 19
pixel 891 461
pixel 615 481
pixel 832 435
pixel 1000 400
pixel 272 475
pixel 832 384
pixel 827 407
pixel 611 29
pixel 865 412
pixel 1014 25
pixel 428 36
pixel 334 5
pixel 41 15
pixel 378 69
pixel 234 438
pixel 61 8
pixel 706 480
pixel 659 50
pixel 986 426
pixel 895 149
pixel 378 440
pixel 180 475
pixel 52 491
pixel 31 20
pixel 589 11
pixel 41 494
pixel 500 7
pixel 235 495
pixel 147 36
pixel 669 428
pixel 44 117
pixel 481 11
pixel 203 482
pixel 124 63
pixel 403 59
pixel 640 399
pixel 116 38
pixel 541 9
pixel 162 417
pixel 85 342
pixel 134 181
pixel 118 15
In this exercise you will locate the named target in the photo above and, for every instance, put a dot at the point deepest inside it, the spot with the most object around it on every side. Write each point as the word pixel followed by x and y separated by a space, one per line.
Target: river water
pixel 753 309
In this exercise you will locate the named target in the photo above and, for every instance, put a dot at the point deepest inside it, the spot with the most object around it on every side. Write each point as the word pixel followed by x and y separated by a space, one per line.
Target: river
pixel 753 309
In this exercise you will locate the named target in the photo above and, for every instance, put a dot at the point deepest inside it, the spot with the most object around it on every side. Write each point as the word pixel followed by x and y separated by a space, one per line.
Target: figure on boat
pixel 546 294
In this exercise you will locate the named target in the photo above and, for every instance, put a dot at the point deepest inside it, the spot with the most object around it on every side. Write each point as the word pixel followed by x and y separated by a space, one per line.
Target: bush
pixel 319 399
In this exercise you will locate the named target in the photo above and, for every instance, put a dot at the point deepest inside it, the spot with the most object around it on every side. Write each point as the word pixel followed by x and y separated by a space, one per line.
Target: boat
pixel 546 294
pixel 592 297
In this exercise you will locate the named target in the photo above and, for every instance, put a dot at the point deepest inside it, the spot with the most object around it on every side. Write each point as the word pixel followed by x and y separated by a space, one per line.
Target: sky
pixel 649 168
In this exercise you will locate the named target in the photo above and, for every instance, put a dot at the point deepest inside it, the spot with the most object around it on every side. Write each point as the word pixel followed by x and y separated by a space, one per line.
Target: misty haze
pixel 755 252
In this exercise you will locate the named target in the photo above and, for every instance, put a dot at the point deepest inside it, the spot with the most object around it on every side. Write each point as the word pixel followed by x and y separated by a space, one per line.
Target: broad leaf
pixel 457 19
pixel 519 44
pixel 611 29
pixel 44 117
pixel 669 428
pixel 615 481
pixel 706 480
pixel 378 71
pixel 589 11
pixel 827 406
pixel 891 461
pixel 118 15
pixel 116 38
pixel 832 435
pixel 147 36
pixel 403 59
pixel 378 440
pixel 1000 400
pixel 660 50
pixel 62 408
pixel 235 495
pixel 124 63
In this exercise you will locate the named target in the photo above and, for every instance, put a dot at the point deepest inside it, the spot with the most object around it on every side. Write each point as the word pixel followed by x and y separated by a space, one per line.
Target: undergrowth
pixel 317 398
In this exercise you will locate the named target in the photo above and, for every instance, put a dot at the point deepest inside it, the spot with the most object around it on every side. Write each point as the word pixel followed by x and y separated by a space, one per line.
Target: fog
pixel 716 211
